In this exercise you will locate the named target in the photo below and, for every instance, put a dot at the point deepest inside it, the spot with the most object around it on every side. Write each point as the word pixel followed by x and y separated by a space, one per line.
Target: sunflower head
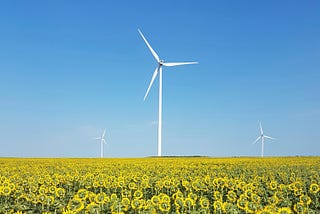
pixel 314 188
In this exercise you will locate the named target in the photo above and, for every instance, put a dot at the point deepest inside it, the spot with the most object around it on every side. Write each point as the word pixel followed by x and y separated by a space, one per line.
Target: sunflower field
pixel 160 185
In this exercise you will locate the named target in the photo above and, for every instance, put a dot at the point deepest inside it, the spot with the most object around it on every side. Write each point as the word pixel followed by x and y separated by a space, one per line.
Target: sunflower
pixel 82 194
pixel 137 204
pixel 167 183
pixel 314 188
pixel 273 185
pixel 188 202
pixel 231 196
pixel 92 197
pixel 155 200
pixel 138 194
pixel 248 193
pixel 145 177
pixel 241 203
pixel 132 186
pixel 40 180
pixel 107 184
pixel 6 190
pixel 305 199
pixel 196 185
pixel 12 186
pixel 125 193
pixel 204 202
pixel 164 206
pixel 75 205
pixel 96 184
pixel 297 185
pixel 42 190
pixel 101 198
pixel 41 198
pixel 144 184
pixel 125 202
pixel 120 182
pixel 52 189
pixel 99 182
pixel 60 192
pixel 113 197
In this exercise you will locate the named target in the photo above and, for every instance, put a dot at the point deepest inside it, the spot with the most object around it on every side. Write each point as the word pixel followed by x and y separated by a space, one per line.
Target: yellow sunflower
pixel 314 188
pixel 164 206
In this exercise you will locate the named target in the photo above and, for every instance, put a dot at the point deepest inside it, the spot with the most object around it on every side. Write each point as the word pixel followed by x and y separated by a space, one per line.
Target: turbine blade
pixel 261 131
pixel 169 64
pixel 257 140
pixel 96 138
pixel 271 138
pixel 155 73
pixel 149 46
pixel 104 133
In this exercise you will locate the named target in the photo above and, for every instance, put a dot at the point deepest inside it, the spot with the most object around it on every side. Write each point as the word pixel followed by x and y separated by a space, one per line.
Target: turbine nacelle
pixel 161 62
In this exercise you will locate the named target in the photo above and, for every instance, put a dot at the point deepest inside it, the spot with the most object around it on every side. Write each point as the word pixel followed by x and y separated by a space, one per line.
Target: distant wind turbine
pixel 262 136
pixel 102 141
pixel 155 73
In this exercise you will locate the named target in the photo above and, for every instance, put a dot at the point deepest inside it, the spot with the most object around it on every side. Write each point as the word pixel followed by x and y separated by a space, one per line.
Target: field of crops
pixel 160 185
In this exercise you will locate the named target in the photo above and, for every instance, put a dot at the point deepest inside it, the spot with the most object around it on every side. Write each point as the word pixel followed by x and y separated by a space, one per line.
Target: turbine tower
pixel 102 141
pixel 155 73
pixel 262 136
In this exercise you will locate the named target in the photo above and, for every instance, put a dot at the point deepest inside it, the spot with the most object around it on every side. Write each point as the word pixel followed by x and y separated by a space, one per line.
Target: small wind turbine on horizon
pixel 102 141
pixel 155 73
pixel 262 136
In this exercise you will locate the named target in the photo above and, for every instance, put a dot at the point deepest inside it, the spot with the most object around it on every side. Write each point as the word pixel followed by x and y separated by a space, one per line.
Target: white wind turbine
pixel 155 73
pixel 262 136
pixel 102 141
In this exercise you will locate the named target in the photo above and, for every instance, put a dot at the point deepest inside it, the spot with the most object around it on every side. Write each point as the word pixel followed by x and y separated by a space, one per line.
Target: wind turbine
pixel 155 73
pixel 262 136
pixel 102 141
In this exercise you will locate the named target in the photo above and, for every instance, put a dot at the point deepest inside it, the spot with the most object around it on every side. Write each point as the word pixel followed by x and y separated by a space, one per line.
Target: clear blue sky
pixel 68 69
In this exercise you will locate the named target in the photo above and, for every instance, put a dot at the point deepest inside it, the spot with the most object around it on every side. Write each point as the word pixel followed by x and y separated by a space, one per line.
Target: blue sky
pixel 69 69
